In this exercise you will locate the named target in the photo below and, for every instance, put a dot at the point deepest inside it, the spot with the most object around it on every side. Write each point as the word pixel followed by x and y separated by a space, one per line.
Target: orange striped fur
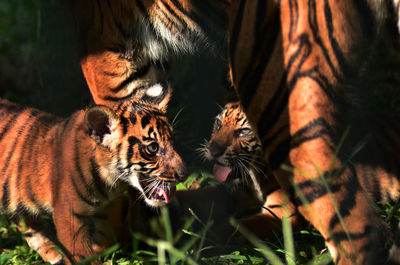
pixel 75 170
pixel 304 71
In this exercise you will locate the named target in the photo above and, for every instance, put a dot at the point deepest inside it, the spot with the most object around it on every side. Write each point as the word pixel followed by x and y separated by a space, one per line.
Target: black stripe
pixel 124 123
pixel 314 189
pixel 80 194
pixel 132 141
pixel 132 118
pixel 348 202
pixel 30 137
pixel 210 16
pixel 334 44
pixel 5 200
pixel 97 180
pixel 150 170
pixel 80 174
pixel 6 162
pixel 8 126
pixel 309 132
pixel 145 120
pixel 313 22
pixel 134 76
pixel 11 107
pixel 130 95
pixel 173 13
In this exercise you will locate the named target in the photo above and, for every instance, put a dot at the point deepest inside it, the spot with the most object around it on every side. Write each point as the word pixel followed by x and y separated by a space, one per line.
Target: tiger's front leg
pixel 329 194
pixel 84 233
pixel 40 237
pixel 325 42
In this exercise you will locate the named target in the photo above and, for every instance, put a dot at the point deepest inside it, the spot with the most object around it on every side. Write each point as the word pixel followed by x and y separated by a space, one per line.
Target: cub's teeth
pixel 163 194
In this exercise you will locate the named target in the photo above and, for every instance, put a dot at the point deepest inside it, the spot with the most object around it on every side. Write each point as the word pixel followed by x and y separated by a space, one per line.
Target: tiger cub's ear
pixel 102 123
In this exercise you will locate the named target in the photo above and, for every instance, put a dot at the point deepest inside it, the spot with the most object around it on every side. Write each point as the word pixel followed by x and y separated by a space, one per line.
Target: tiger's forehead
pixel 144 118
pixel 233 113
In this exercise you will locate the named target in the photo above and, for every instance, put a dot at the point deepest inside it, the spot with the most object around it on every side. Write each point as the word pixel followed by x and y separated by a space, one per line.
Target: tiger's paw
pixel 44 247
pixel 50 255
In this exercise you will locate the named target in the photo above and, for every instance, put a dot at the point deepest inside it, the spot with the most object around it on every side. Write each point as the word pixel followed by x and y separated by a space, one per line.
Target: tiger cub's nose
pixel 215 149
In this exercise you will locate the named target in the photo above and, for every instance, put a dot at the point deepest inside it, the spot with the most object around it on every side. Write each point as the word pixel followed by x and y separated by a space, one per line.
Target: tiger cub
pixel 73 168
pixel 237 152
pixel 238 159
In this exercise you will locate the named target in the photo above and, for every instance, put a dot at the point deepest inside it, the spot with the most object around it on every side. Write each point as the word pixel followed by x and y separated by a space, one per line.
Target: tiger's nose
pixel 182 173
pixel 216 150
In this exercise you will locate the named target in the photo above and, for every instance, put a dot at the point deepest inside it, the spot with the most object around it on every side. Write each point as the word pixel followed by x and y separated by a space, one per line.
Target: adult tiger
pixel 304 71
pixel 74 170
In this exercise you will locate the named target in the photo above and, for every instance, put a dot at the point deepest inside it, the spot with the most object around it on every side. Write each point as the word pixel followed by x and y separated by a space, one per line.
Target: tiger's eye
pixel 152 148
pixel 246 132
pixel 217 124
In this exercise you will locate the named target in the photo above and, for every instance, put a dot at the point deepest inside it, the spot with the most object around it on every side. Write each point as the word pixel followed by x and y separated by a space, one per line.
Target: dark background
pixel 39 67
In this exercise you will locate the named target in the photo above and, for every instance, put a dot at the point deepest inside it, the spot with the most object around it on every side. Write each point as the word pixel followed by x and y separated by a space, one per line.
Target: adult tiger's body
pixel 123 53
pixel 73 169
pixel 302 69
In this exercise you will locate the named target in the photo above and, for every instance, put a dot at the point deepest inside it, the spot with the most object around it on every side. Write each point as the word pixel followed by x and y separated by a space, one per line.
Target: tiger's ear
pixel 102 123
pixel 158 96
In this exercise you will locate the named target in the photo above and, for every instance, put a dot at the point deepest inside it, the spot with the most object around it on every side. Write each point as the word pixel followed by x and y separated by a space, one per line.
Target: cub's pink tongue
pixel 163 194
pixel 221 173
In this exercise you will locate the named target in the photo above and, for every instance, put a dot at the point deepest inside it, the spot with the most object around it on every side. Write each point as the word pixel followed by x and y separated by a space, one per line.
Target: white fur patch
pixel 332 250
pixel 256 185
pixel 134 181
pixel 37 241
pixel 159 43
pixel 154 91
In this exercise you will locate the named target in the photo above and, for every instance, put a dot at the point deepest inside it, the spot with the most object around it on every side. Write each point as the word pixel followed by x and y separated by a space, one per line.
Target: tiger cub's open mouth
pixel 157 191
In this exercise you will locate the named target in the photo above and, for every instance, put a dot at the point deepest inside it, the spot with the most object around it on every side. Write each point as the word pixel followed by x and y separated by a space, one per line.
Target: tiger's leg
pixel 38 236
pixel 83 234
pixel 320 51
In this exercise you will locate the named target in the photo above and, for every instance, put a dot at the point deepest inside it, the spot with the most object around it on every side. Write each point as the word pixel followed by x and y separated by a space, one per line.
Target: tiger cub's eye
pixel 246 132
pixel 152 148
pixel 217 124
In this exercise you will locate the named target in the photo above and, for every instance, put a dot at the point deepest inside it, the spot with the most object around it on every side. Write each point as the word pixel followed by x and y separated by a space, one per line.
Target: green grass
pixel 186 246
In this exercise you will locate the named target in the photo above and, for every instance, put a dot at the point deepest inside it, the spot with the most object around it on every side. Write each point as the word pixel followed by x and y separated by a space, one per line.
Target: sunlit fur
pixel 134 38
pixel 73 168
pixel 304 70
